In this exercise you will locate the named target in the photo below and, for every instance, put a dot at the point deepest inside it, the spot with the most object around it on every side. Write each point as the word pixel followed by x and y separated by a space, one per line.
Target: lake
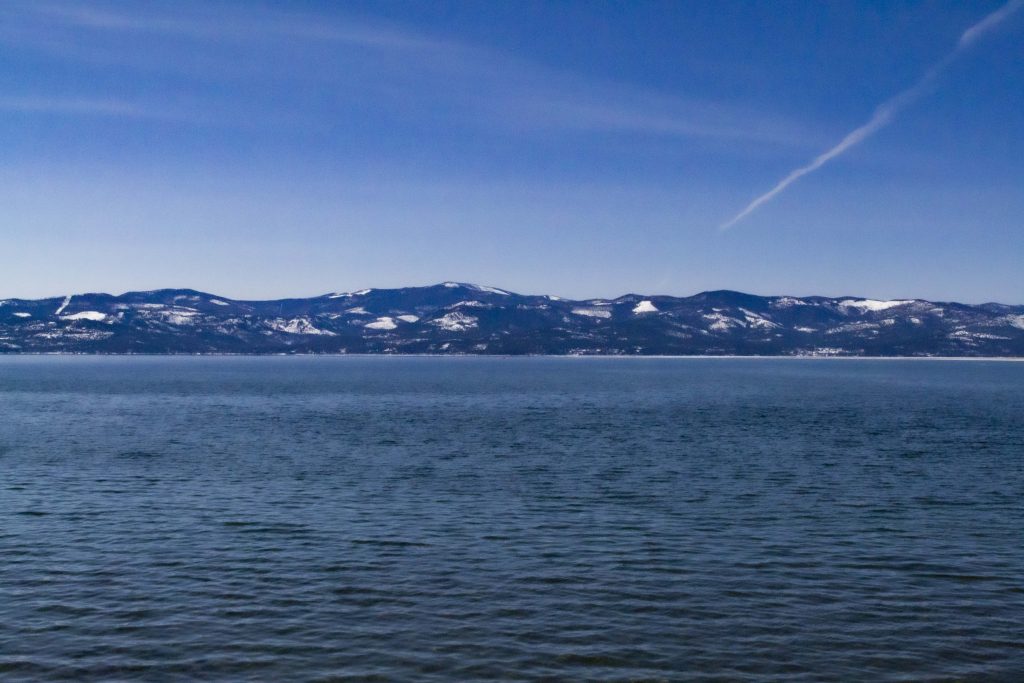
pixel 429 519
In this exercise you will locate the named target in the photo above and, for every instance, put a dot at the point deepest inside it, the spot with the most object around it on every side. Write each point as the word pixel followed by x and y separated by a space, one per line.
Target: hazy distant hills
pixel 457 318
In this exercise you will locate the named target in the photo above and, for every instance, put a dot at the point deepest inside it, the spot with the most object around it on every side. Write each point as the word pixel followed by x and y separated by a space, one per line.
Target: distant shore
pixel 33 354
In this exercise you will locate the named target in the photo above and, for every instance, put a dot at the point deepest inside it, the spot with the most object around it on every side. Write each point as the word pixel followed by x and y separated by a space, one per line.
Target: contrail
pixel 886 111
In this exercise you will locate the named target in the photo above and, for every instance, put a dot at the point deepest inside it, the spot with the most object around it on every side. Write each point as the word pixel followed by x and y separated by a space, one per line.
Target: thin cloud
pixel 393 66
pixel 239 28
pixel 887 111
pixel 79 106
pixel 622 111
pixel 55 105
pixel 95 107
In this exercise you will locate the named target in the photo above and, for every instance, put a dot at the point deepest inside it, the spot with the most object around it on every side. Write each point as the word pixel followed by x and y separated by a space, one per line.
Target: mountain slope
pixel 464 318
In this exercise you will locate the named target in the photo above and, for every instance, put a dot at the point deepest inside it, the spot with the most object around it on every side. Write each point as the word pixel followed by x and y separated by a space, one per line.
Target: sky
pixel 583 149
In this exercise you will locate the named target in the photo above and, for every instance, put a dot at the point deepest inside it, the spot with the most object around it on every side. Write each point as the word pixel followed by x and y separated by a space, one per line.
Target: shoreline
pixel 65 354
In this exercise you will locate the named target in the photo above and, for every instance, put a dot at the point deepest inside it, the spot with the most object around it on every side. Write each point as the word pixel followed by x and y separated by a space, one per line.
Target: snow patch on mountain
pixel 455 322
pixel 75 335
pixel 968 335
pixel 180 316
pixel 720 322
pixel 757 320
pixel 872 305
pixel 297 326
pixel 67 300
pixel 491 290
pixel 94 316
pixel 382 323
pixel 592 312
pixel 645 306
pixel 788 302
pixel 853 327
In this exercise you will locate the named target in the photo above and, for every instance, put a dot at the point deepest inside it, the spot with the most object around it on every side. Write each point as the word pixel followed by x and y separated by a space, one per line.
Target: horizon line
pixel 500 291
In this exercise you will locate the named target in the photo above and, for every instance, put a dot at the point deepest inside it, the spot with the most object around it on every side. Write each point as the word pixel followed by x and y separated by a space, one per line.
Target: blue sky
pixel 576 148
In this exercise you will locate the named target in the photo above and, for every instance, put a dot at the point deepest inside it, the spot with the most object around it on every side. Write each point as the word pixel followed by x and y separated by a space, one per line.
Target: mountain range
pixel 460 318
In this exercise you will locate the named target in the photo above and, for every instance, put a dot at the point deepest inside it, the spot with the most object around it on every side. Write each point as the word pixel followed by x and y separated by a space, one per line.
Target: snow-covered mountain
pixel 455 317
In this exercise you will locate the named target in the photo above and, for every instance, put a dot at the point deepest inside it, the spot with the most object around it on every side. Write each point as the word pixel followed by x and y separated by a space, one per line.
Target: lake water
pixel 173 519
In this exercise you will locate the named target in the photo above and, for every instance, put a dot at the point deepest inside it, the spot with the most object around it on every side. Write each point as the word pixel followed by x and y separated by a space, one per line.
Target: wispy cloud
pixel 58 105
pixel 887 111
pixel 98 107
pixel 397 68
pixel 253 26
pixel 621 110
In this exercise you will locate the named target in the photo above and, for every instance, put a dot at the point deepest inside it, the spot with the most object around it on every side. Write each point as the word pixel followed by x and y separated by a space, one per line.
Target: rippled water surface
pixel 275 519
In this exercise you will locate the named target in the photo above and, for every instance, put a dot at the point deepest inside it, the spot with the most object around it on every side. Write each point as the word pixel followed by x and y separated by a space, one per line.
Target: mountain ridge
pixel 466 318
